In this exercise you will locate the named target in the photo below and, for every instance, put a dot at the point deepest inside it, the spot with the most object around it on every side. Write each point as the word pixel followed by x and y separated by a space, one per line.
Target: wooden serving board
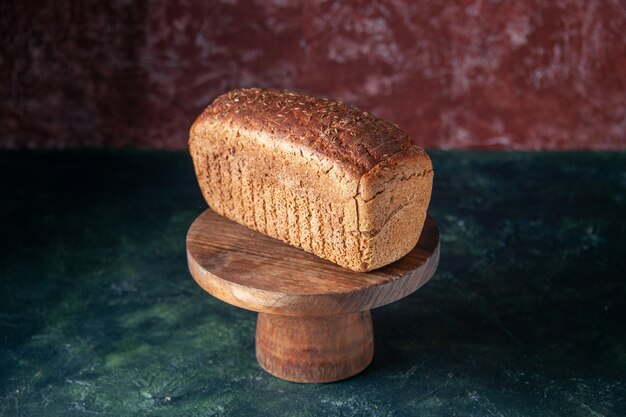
pixel 314 323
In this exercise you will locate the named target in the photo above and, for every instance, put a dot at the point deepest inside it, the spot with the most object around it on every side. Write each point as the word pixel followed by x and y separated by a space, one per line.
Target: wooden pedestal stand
pixel 314 322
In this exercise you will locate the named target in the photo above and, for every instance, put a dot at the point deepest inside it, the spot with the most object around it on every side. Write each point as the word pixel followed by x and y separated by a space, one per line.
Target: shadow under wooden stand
pixel 314 322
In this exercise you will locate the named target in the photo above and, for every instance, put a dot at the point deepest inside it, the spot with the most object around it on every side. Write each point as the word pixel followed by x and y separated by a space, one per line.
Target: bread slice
pixel 315 173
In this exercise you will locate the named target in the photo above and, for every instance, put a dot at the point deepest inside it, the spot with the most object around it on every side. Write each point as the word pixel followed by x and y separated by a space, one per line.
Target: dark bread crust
pixel 340 133
pixel 315 173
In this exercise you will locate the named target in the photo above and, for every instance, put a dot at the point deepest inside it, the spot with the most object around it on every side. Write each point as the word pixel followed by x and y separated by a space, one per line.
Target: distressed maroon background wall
pixel 511 74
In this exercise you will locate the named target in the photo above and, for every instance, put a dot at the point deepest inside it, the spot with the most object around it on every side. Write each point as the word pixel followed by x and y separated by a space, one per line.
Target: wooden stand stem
pixel 314 349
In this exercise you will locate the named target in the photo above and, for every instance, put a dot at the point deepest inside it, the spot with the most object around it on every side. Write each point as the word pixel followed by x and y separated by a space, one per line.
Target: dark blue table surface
pixel 99 315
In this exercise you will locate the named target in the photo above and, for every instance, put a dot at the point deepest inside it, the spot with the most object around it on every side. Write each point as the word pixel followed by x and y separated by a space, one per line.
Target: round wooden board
pixel 251 270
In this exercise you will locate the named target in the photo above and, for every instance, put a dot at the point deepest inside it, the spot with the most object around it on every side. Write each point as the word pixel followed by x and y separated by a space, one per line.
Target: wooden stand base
pixel 314 320
pixel 314 349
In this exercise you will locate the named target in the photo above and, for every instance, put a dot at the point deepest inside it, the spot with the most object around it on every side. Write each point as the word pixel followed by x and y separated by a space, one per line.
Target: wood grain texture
pixel 314 349
pixel 314 324
pixel 253 271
